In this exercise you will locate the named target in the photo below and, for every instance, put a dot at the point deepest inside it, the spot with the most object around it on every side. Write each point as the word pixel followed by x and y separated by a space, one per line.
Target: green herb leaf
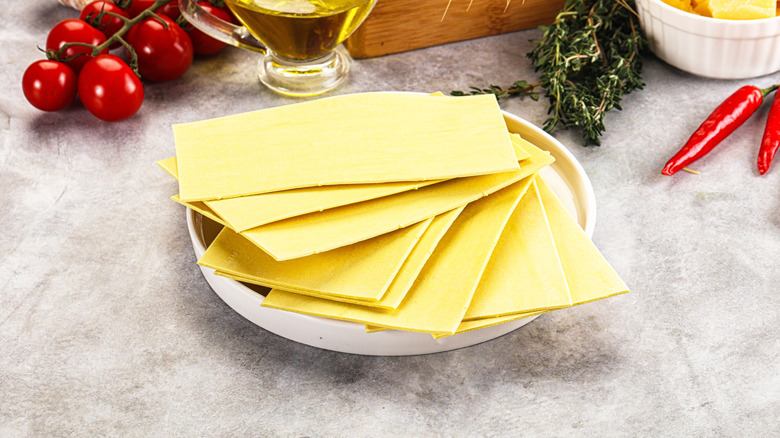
pixel 588 59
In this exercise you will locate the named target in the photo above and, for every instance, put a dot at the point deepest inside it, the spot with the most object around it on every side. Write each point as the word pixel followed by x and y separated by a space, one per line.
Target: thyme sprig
pixel 588 59
pixel 519 88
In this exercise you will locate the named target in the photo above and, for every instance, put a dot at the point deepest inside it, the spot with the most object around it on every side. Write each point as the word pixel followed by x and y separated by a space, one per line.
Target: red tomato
pixel 233 18
pixel 109 25
pixel 171 10
pixel 74 31
pixel 163 54
pixel 202 43
pixel 109 89
pixel 137 6
pixel 49 85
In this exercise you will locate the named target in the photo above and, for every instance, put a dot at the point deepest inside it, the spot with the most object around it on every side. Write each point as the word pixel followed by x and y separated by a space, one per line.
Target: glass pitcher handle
pixel 219 29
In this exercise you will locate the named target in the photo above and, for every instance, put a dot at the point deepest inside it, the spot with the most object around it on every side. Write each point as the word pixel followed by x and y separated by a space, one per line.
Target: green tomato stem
pixel 117 37
pixel 133 56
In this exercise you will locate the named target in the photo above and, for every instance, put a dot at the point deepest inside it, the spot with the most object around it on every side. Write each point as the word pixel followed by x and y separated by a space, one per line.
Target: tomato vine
pixel 157 46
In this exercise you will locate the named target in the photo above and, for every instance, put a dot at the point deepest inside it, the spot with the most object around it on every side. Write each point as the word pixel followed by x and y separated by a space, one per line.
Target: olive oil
pixel 301 29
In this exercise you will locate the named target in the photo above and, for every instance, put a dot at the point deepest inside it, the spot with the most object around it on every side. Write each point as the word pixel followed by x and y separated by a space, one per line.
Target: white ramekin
pixel 710 47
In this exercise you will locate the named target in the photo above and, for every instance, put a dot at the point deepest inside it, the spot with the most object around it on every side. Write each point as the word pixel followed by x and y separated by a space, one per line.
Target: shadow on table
pixel 564 346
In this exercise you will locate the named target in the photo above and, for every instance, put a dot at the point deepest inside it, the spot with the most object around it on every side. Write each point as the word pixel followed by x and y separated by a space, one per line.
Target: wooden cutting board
pixel 400 25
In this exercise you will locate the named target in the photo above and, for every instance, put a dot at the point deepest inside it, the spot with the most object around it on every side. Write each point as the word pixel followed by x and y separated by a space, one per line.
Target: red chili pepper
pixel 727 117
pixel 770 143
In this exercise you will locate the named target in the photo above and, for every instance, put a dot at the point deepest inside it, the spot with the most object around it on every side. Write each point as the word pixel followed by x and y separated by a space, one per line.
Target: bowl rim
pixel 700 18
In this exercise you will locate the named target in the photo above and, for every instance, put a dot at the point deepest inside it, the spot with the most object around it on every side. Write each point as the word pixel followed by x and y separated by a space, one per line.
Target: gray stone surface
pixel 107 327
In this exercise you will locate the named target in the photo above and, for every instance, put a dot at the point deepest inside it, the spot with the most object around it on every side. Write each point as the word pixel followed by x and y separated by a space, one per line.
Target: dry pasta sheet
pixel 323 231
pixel 588 274
pixel 245 212
pixel 248 212
pixel 410 212
pixel 362 271
pixel 351 139
pixel 525 273
pixel 444 288
pixel 252 211
pixel 503 295
pixel 400 284
pixel 201 208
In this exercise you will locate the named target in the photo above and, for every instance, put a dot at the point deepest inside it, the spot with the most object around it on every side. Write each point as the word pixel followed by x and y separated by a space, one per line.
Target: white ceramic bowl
pixel 710 47
pixel 565 176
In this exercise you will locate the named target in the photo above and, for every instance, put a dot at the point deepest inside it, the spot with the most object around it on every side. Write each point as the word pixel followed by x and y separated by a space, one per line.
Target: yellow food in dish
pixel 319 232
pixel 316 268
pixel 362 271
pixel 444 288
pixel 525 273
pixel 742 9
pixel 248 212
pixel 379 137
pixel 702 8
pixel 683 5
pixel 440 257
pixel 728 9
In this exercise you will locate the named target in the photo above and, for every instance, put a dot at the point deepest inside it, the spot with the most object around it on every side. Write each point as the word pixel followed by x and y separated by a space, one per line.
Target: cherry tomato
pixel 203 44
pixel 233 17
pixel 109 89
pixel 137 6
pixel 163 54
pixel 74 31
pixel 171 10
pixel 49 85
pixel 109 25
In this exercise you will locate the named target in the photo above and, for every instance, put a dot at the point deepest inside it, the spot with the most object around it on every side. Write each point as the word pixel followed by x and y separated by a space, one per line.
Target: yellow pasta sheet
pixel 521 146
pixel 362 271
pixel 201 208
pixel 350 139
pixel 467 326
pixel 247 212
pixel 375 328
pixel 406 275
pixel 253 211
pixel 171 166
pixel 589 275
pixel 439 298
pixel 525 274
pixel 323 231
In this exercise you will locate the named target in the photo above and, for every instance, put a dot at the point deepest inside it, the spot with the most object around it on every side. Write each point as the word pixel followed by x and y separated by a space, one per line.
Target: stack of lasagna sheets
pixel 397 211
